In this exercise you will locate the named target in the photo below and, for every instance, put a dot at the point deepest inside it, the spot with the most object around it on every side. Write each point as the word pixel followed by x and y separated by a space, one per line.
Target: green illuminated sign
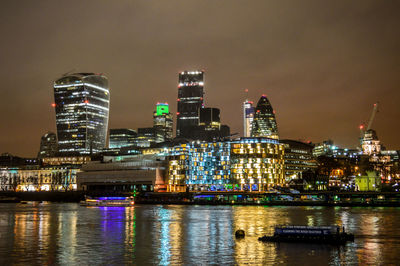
pixel 162 108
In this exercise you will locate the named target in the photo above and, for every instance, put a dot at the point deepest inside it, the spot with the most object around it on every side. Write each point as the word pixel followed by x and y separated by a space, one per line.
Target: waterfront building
pixel 190 101
pixel 82 103
pixel 264 122
pixel 257 164
pixel 48 145
pixel 38 178
pixel 248 116
pixel 208 166
pixel 122 137
pixel 162 122
pixel 126 173
pixel 298 158
pixel 371 181
pixel 247 164
pixel 47 174
pixel 177 168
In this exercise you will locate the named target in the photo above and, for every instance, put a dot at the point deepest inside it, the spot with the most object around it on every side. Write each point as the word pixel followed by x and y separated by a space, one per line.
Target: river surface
pixel 69 234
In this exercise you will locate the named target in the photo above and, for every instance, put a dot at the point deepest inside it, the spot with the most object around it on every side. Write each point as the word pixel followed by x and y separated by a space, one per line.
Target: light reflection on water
pixel 191 235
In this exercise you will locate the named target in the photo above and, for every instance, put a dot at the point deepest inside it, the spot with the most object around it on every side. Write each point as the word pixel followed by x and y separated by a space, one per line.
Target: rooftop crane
pixel 374 111
pixel 363 127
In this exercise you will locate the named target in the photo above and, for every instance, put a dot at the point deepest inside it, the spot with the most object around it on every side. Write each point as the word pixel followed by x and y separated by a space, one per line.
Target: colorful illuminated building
pixel 248 116
pixel 264 122
pixel 247 164
pixel 162 122
pixel 190 100
pixel 82 103
pixel 257 164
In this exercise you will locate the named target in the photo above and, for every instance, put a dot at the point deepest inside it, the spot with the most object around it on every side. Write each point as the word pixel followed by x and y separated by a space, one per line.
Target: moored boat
pixel 314 234
pixel 108 202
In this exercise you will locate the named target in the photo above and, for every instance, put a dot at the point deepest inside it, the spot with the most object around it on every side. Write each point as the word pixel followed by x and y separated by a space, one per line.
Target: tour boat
pixel 314 234
pixel 108 202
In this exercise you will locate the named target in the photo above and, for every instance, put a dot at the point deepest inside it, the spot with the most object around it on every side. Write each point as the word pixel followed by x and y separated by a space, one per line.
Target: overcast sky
pixel 322 64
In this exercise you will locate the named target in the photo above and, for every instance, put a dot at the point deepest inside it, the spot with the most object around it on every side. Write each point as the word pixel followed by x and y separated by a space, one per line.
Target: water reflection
pixel 190 235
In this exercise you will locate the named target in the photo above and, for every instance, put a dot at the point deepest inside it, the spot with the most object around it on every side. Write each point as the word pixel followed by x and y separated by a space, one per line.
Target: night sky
pixel 322 64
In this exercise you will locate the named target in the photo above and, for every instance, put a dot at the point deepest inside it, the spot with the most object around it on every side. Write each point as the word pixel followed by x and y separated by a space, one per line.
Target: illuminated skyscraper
pixel 82 103
pixel 190 100
pixel 162 122
pixel 248 116
pixel 264 123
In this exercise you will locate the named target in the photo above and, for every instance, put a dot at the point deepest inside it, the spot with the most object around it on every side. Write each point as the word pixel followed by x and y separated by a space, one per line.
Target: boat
pixel 108 201
pixel 313 234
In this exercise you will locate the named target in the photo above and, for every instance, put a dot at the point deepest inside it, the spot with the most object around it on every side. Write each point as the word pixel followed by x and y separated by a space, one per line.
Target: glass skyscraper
pixel 82 102
pixel 264 122
pixel 190 100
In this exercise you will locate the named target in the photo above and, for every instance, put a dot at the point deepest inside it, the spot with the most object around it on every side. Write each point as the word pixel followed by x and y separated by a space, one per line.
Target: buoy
pixel 239 233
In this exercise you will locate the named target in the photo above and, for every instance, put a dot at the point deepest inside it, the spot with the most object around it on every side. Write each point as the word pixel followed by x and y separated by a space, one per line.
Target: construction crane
pixel 363 127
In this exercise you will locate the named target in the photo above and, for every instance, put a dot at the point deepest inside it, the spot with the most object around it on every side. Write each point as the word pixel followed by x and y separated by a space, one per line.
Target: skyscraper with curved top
pixel 264 122
pixel 82 102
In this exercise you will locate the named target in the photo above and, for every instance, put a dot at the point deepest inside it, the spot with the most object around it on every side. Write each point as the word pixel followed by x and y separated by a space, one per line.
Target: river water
pixel 69 234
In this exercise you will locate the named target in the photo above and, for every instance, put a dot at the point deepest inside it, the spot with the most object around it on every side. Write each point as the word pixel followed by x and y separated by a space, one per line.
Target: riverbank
pixel 345 199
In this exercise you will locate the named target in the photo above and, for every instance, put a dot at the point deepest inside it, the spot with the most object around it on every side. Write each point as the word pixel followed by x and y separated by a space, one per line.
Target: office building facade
pixel 82 103
pixel 190 101
pixel 298 158
pixel 122 137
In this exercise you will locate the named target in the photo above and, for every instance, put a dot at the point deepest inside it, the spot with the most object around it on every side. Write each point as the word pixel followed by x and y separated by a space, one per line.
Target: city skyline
pixel 321 73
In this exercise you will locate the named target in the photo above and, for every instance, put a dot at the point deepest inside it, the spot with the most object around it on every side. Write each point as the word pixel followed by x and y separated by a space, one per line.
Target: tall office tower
pixel 210 119
pixel 190 100
pixel 122 137
pixel 162 122
pixel 82 103
pixel 264 123
pixel 248 116
pixel 48 145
